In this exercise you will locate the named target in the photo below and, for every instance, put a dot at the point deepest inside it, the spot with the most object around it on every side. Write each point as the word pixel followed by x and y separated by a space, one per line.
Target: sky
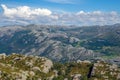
pixel 59 12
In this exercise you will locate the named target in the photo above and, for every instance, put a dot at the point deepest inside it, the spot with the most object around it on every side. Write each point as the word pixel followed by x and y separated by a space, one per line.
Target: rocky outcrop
pixel 20 67
pixel 105 71
pixel 23 67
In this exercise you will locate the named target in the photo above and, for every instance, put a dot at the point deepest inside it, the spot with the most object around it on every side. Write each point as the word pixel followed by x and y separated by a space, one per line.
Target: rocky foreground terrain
pixel 22 67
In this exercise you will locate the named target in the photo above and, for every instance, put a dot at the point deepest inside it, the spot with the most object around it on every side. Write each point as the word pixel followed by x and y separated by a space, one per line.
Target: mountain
pixel 61 43
pixel 22 67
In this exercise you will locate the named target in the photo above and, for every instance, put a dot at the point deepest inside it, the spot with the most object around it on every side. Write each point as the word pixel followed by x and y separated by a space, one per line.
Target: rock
pixel 50 78
pixel 47 66
pixel 36 69
pixel 95 79
pixel 73 40
pixel 29 64
pixel 55 73
pixel 102 72
pixel 118 76
pixel 2 64
pixel 113 67
pixel 0 72
pixel 17 59
pixel 39 79
pixel 105 77
pixel 2 56
pixel 20 76
pixel 77 77
pixel 86 61
pixel 79 61
pixel 31 73
pixel 24 75
pixel 66 79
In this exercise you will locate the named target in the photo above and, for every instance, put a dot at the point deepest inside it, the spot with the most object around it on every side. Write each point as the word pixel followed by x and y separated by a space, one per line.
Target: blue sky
pixel 68 5
pixel 73 12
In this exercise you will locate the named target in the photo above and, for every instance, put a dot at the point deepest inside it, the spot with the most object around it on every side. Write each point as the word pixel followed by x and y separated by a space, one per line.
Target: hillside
pixel 22 67
pixel 62 43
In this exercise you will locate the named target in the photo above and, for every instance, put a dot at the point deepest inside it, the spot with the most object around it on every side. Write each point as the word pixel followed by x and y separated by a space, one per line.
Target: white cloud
pixel 25 12
pixel 89 13
pixel 26 15
pixel 80 13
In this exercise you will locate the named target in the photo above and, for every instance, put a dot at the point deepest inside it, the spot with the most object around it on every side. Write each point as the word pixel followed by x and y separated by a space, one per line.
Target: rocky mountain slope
pixel 22 67
pixel 49 41
pixel 61 43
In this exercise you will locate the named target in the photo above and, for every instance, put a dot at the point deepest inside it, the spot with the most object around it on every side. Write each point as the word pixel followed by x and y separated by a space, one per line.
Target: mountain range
pixel 62 43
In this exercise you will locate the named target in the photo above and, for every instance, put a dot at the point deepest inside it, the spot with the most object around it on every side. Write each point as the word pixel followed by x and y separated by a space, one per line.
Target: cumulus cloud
pixel 26 15
pixel 25 12
pixel 98 17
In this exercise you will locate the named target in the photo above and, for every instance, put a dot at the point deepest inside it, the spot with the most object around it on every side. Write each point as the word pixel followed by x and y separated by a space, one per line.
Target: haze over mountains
pixel 62 43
